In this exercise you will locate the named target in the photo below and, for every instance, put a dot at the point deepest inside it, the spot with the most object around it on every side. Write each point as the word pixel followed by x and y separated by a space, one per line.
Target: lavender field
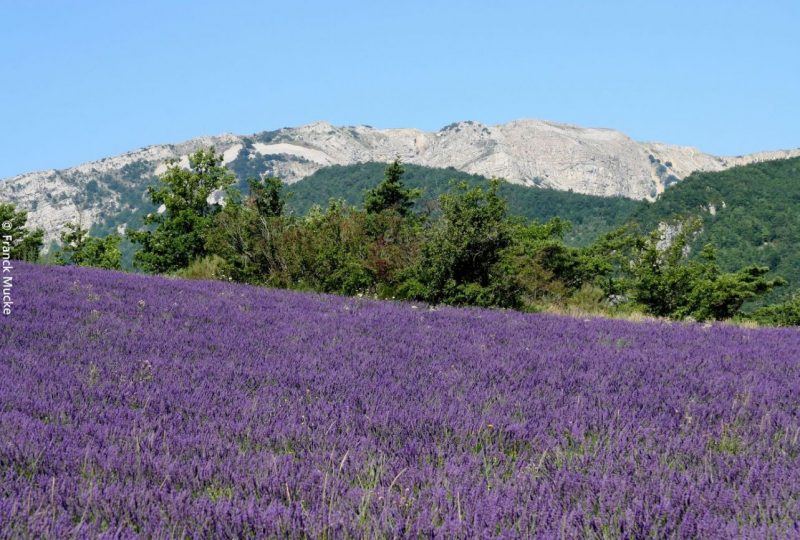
pixel 146 406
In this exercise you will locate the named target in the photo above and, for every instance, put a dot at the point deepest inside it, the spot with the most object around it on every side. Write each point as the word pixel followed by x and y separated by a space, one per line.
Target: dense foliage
pixel 391 194
pixel 657 275
pixel 590 216
pixel 460 259
pixel 750 214
pixel 786 313
pixel 23 244
pixel 178 236
pixel 467 251
pixel 156 407
pixel 80 249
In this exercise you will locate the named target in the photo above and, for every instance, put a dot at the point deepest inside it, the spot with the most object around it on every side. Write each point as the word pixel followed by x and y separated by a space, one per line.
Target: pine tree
pixel 391 194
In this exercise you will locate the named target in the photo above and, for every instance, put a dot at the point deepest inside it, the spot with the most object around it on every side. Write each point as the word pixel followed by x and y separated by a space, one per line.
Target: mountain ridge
pixel 535 153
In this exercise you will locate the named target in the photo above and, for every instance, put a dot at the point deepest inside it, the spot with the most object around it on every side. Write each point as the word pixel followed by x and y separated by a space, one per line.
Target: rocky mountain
pixel 527 152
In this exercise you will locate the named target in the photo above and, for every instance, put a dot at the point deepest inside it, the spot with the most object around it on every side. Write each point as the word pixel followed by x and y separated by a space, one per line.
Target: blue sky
pixel 85 80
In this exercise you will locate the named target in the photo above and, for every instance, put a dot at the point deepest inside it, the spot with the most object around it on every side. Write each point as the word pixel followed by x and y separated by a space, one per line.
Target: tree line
pixel 467 250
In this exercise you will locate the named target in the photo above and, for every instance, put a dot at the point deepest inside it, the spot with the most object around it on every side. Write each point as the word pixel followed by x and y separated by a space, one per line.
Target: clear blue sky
pixel 85 80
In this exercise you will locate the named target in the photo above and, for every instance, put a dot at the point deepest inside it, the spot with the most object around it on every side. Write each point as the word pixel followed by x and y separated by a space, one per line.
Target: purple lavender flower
pixel 145 406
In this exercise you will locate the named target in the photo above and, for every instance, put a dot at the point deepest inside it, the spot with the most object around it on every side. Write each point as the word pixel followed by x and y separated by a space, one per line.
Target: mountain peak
pixel 320 126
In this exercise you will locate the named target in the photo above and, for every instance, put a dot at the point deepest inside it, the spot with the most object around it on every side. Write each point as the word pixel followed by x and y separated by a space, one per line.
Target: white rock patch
pixel 231 153
pixel 310 154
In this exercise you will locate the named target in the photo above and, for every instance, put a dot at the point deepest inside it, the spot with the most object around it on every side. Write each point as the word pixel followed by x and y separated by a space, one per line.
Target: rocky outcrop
pixel 529 152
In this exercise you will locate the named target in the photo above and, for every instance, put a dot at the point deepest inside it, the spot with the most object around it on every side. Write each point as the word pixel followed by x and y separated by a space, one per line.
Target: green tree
pixel 180 229
pixel 391 228
pixel 267 197
pixel 613 254
pixel 393 247
pixel 246 234
pixel 391 194
pixel 327 251
pixel 784 314
pixel 25 245
pixel 667 283
pixel 545 269
pixel 80 249
pixel 461 251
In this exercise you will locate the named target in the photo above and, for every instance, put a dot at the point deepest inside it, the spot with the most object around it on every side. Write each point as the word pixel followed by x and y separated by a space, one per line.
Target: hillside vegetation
pixel 464 248
pixel 590 216
pixel 750 214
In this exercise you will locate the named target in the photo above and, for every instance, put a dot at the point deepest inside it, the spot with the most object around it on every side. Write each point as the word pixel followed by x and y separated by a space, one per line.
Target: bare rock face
pixel 558 156
pixel 528 152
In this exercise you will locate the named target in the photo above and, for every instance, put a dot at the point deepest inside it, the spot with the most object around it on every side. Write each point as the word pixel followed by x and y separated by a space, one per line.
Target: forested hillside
pixel 590 216
pixel 751 214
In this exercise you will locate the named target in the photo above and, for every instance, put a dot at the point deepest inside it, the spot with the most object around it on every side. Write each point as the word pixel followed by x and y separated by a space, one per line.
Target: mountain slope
pixel 527 152
pixel 750 213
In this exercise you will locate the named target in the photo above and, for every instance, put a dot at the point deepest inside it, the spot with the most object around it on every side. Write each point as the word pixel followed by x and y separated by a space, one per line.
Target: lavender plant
pixel 147 406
